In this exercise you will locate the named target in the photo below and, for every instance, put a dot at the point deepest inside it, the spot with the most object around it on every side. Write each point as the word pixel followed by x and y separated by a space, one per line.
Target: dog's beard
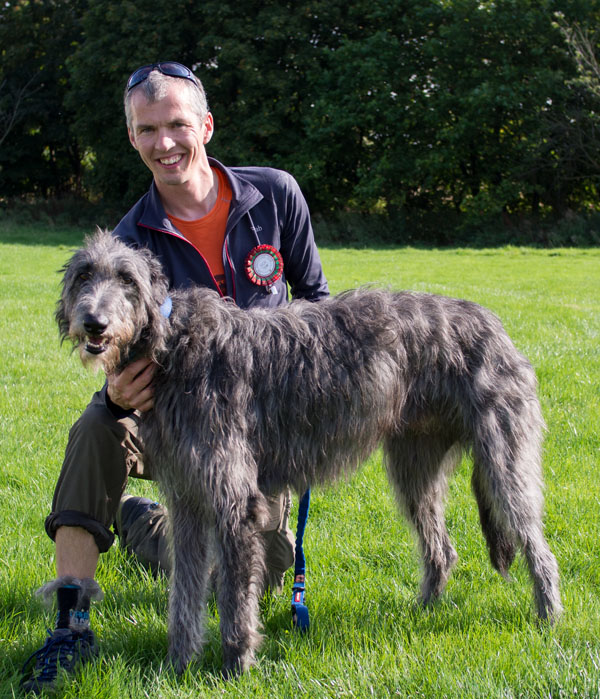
pixel 107 350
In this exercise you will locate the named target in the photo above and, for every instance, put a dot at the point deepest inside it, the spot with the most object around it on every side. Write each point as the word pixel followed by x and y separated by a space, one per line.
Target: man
pixel 209 225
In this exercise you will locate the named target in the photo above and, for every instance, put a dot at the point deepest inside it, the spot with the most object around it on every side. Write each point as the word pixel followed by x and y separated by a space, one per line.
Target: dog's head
pixel 110 305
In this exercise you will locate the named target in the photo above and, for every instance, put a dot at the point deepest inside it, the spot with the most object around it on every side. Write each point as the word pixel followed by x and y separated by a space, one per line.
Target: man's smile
pixel 171 160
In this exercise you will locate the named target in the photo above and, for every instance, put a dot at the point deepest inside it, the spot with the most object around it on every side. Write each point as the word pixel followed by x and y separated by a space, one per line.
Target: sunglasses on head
pixel 175 70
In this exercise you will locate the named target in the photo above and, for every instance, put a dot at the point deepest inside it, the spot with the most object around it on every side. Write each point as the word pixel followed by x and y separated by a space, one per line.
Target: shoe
pixel 130 509
pixel 63 651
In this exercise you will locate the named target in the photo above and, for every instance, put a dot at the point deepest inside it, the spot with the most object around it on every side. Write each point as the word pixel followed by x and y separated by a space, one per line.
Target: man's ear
pixel 131 138
pixel 209 128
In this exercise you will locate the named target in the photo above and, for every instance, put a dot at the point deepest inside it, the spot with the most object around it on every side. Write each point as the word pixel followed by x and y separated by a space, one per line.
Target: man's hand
pixel 132 388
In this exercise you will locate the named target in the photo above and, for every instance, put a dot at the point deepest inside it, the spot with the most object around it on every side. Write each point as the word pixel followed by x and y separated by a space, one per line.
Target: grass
pixel 368 637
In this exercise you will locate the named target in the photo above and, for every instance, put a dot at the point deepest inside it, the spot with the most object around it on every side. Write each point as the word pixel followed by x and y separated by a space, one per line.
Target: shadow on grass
pixel 36 234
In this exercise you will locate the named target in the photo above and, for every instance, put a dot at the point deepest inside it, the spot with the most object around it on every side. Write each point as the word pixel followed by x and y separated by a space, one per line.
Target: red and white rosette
pixel 264 265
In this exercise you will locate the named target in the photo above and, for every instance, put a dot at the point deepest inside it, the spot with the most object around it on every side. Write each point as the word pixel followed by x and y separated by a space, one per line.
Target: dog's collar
pixel 166 307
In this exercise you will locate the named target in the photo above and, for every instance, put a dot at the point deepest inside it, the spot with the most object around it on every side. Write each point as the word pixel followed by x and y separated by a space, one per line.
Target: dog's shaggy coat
pixel 249 402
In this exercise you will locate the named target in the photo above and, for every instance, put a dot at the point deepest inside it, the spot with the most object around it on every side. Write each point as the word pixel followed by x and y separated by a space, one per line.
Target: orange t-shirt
pixel 207 234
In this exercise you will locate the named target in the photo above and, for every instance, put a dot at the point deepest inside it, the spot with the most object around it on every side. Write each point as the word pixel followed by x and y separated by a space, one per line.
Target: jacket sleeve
pixel 301 260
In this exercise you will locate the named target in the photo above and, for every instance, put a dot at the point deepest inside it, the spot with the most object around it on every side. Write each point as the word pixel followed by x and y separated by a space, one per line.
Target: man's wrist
pixel 115 409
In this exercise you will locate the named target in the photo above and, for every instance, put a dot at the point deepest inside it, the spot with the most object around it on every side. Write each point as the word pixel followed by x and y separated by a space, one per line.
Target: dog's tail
pixel 502 546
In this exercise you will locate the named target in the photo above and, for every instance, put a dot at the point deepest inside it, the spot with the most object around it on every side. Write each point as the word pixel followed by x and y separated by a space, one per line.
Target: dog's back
pixel 297 381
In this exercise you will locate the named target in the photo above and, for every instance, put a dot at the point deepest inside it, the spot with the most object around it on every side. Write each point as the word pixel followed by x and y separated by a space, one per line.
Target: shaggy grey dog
pixel 250 402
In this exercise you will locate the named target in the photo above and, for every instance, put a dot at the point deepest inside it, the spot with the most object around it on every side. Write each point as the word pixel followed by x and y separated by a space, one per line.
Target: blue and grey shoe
pixel 63 651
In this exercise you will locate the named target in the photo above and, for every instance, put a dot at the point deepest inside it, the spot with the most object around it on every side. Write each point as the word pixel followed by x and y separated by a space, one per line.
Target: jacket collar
pixel 244 196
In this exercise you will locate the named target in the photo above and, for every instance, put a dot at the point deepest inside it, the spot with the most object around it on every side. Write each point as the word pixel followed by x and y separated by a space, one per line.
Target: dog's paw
pixel 235 664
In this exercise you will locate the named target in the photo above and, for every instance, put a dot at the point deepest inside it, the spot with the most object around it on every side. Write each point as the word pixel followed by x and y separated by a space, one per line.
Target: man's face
pixel 170 136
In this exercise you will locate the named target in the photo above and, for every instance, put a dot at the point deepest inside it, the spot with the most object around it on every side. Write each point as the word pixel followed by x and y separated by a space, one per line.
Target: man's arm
pixel 301 259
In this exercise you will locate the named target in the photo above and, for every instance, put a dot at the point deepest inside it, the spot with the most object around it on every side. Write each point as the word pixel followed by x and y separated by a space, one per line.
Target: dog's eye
pixel 85 276
pixel 126 279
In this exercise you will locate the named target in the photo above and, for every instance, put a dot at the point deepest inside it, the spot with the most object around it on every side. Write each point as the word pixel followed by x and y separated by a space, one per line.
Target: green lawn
pixel 368 637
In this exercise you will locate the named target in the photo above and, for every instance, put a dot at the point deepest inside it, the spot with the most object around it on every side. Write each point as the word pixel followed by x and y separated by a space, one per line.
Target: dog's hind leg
pixel 507 473
pixel 501 544
pixel 192 542
pixel 241 571
pixel 418 466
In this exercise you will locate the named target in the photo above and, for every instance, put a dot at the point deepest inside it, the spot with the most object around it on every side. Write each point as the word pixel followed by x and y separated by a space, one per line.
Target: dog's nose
pixel 95 324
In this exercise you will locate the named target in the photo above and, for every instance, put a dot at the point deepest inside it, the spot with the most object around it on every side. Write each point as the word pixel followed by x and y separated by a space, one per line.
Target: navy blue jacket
pixel 267 207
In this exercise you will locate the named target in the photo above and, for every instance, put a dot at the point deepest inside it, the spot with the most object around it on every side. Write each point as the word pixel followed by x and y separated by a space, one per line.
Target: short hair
pixel 155 88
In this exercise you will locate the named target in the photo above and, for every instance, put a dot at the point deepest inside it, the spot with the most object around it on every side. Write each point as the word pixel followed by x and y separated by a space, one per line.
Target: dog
pixel 250 402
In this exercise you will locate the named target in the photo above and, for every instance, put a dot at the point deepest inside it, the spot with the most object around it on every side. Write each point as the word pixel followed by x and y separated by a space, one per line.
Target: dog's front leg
pixel 240 555
pixel 192 541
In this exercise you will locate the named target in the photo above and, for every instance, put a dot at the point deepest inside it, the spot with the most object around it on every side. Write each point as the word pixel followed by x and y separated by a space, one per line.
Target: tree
pixel 582 43
pixel 11 108
pixel 37 152
pixel 470 106
pixel 447 106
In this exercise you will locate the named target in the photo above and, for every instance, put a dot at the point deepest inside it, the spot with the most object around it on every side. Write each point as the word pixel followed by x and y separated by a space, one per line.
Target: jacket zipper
pixel 182 237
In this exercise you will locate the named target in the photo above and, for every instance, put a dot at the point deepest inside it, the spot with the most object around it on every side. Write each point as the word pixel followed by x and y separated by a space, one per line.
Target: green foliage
pixel 451 104
pixel 474 111
pixel 368 637
pixel 38 152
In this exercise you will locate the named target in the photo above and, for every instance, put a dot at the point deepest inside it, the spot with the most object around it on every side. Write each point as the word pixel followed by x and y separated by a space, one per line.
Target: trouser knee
pixel 101 452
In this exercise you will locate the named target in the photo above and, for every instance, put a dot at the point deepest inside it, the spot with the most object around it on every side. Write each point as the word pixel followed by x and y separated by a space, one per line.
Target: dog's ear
pixel 70 273
pixel 62 312
pixel 155 332
pixel 160 284
pixel 61 319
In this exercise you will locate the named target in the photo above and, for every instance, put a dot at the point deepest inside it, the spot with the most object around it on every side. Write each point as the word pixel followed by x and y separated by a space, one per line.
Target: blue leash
pixel 299 609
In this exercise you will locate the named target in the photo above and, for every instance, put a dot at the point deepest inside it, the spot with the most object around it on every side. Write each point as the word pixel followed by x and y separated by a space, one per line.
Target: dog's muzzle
pixel 95 328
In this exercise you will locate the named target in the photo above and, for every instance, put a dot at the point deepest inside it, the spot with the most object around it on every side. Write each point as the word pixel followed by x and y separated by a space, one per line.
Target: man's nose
pixel 164 139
